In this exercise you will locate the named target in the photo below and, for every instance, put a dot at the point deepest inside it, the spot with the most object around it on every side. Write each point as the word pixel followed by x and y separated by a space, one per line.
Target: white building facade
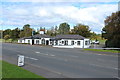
pixel 60 41
pixel 71 41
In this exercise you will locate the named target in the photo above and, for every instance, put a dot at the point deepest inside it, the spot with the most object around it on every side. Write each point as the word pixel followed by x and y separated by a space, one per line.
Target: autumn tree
pixel 111 31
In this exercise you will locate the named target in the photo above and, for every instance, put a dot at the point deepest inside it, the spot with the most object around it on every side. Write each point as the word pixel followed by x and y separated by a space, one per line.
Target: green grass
pixel 0 69
pixel 8 41
pixel 100 50
pixel 13 71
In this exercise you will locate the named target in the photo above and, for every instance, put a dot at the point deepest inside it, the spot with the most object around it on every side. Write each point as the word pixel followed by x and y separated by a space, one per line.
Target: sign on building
pixel 21 60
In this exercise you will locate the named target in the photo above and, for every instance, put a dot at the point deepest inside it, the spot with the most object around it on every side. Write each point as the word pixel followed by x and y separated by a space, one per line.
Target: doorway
pixel 47 42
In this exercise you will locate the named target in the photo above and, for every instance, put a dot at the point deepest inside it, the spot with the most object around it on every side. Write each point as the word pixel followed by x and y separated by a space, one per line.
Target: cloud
pixel 50 14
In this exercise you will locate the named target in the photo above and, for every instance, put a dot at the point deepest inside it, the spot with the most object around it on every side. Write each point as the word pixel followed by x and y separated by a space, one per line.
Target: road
pixel 70 63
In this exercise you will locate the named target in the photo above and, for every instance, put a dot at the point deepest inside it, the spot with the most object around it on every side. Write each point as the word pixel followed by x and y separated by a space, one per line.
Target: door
pixel 32 41
pixel 47 42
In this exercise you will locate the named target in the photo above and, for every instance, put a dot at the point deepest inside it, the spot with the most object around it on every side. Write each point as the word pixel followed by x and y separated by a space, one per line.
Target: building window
pixel 37 41
pixel 78 42
pixel 62 42
pixel 28 41
pixel 66 42
pixel 86 42
pixel 72 42
pixel 43 41
pixel 56 42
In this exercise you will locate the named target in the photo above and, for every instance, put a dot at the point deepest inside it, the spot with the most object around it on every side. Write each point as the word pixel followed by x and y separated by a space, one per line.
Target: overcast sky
pixel 46 14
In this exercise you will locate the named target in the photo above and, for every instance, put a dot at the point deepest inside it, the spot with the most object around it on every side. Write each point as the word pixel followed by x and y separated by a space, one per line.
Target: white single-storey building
pixel 70 41
pixel 36 39
pixel 61 41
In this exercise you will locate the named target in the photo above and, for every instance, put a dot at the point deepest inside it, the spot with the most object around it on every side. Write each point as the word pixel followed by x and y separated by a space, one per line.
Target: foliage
pixel 111 31
pixel 1 34
pixel 53 31
pixel 64 28
pixel 6 37
pixel 27 30
pixel 82 30
pixel 15 33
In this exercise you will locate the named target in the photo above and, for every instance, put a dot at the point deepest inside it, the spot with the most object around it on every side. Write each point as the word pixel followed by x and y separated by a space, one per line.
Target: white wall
pixel 41 32
pixel 27 41
pixel 36 40
pixel 76 45
pixel 88 45
pixel 21 41
pixel 60 44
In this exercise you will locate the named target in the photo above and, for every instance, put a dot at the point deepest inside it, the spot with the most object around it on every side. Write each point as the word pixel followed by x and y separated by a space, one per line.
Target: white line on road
pixel 52 55
pixel 45 54
pixel 31 58
pixel 37 52
pixel 73 56
pixel 104 66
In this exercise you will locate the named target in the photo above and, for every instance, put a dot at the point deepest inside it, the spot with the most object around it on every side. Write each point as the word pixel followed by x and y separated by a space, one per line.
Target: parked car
pixel 95 42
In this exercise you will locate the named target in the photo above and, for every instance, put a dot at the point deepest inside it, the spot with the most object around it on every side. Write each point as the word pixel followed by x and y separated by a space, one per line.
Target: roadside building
pixel 70 41
pixel 61 41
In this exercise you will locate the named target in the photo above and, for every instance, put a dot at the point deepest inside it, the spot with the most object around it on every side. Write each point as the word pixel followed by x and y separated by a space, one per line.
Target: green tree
pixel 82 30
pixel 111 31
pixel 7 32
pixel 22 34
pixel 26 32
pixel 15 33
pixel 64 28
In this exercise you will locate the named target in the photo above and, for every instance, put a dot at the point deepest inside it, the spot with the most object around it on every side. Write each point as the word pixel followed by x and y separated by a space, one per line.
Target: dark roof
pixel 58 37
pixel 69 37
pixel 41 36
pixel 37 36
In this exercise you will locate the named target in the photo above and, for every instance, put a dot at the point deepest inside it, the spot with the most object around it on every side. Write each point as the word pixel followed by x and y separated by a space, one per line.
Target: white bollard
pixel 21 60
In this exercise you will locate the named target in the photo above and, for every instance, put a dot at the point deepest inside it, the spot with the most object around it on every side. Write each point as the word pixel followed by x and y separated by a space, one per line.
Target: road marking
pixel 66 60
pixel 45 54
pixel 73 56
pixel 104 66
pixel 52 55
pixel 31 58
pixel 99 54
pixel 37 52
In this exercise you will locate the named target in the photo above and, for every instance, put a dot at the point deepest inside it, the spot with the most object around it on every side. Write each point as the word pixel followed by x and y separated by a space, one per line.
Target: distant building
pixel 61 41
pixel 42 31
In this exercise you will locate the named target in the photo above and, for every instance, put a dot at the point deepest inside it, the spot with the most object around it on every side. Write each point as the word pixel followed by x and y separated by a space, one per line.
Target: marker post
pixel 21 60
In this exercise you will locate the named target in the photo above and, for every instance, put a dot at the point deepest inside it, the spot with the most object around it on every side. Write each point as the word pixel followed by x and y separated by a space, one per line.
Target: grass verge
pixel 13 71
pixel 100 50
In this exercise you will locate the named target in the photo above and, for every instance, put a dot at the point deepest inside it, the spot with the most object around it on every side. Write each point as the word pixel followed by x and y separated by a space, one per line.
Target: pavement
pixel 62 63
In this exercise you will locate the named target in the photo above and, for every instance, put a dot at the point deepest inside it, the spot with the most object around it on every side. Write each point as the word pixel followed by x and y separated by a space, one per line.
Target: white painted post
pixel 21 60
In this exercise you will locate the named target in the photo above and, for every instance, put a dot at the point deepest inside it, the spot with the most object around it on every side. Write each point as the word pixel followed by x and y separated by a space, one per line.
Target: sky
pixel 44 13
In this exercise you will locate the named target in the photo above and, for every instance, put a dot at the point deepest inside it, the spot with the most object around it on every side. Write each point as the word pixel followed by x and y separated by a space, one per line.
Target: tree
pixel 82 30
pixel 111 31
pixel 7 32
pixel 6 37
pixel 22 34
pixel 26 32
pixel 15 33
pixel 1 34
pixel 51 31
pixel 64 28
